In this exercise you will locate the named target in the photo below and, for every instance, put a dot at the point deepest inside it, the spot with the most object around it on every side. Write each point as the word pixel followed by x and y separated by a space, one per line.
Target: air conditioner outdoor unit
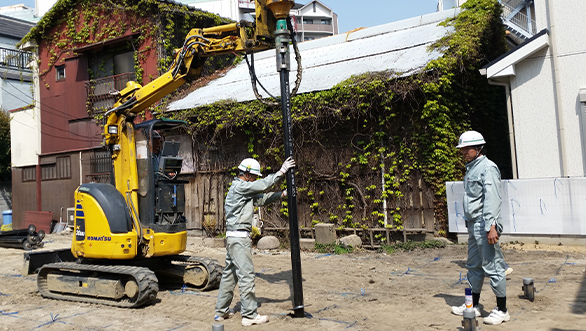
pixel 70 217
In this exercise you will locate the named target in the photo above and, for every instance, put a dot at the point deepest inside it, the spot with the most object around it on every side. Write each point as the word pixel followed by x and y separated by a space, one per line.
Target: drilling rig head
pixel 280 8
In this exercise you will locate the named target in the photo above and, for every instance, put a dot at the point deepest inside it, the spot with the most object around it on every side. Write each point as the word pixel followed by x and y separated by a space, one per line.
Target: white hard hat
pixel 470 138
pixel 250 165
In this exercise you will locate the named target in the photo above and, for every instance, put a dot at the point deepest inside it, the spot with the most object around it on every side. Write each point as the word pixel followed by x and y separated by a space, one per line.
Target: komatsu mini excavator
pixel 129 234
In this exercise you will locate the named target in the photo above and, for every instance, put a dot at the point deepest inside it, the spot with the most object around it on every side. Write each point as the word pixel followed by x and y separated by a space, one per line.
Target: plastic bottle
pixel 468 298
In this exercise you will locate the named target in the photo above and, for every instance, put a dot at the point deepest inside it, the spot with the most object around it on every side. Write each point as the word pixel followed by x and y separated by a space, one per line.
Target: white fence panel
pixel 531 206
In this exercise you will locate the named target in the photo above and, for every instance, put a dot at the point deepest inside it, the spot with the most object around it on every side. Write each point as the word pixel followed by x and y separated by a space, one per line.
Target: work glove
pixel 288 164
pixel 284 193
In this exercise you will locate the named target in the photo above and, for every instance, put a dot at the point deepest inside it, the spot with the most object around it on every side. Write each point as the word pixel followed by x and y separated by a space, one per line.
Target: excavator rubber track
pixel 211 266
pixel 119 286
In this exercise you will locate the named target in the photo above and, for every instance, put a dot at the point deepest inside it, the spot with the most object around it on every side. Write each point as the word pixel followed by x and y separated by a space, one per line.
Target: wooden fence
pixel 205 209
pixel 204 201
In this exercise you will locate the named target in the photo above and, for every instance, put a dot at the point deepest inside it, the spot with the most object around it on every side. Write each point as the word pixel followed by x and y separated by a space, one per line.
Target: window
pixel 63 166
pixel 61 169
pixel 307 21
pixel 101 162
pixel 100 168
pixel 116 59
pixel 325 21
pixel 48 171
pixel 29 174
pixel 60 72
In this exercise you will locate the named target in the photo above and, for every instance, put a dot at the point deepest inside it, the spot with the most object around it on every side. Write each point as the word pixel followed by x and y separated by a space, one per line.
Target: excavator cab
pixel 115 225
pixel 161 196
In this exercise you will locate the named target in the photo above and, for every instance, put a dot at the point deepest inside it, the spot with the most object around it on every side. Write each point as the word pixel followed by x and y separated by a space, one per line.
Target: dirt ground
pixel 359 291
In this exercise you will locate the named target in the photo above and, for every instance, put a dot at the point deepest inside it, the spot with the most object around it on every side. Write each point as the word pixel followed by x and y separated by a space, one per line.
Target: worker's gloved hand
pixel 284 193
pixel 288 164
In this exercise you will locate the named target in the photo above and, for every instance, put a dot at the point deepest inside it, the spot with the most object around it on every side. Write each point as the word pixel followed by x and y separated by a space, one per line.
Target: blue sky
pixel 351 13
pixel 354 14
pixel 30 3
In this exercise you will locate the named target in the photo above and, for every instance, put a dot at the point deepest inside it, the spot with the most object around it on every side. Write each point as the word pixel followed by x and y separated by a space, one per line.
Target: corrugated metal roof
pixel 399 47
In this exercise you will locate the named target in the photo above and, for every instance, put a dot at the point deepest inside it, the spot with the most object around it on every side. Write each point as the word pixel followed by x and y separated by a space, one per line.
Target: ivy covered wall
pixel 368 140
pixel 161 27
pixel 71 34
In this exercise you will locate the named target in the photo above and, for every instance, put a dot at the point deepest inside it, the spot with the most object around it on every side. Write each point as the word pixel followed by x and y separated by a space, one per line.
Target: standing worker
pixel 245 193
pixel 482 212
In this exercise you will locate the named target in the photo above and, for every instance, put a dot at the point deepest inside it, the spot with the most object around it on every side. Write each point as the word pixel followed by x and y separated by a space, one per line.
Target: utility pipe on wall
pixel 80 170
pixel 557 87
pixel 382 177
pixel 38 175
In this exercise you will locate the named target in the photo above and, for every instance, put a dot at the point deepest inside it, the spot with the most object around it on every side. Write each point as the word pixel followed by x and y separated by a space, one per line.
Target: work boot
pixel 258 319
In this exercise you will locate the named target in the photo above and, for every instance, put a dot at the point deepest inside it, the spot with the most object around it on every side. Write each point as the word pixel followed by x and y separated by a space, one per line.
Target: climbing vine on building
pixel 366 147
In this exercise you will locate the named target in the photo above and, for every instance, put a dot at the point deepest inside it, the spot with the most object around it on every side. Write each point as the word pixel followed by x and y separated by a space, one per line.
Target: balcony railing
pixel 519 19
pixel 15 59
pixel 101 92
pixel 316 27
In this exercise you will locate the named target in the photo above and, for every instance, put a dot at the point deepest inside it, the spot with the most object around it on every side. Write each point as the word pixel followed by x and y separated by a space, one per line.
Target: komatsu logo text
pixel 102 238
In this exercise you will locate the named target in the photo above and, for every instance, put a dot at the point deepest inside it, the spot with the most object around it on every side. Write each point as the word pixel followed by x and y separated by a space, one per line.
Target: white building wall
pixel 43 6
pixel 320 11
pixel 449 4
pixel 549 122
pixel 570 52
pixel 534 118
pixel 25 129
pixel 25 126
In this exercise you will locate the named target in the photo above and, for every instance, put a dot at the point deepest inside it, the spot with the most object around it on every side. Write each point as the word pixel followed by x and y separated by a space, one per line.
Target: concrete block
pixel 306 244
pixel 214 242
pixel 325 233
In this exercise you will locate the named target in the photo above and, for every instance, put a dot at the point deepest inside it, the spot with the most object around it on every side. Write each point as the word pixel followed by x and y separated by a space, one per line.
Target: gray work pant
pixel 239 268
pixel 485 260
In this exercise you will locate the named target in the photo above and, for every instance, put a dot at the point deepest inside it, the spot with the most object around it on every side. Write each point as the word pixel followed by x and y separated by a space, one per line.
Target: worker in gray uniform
pixel 246 192
pixel 482 208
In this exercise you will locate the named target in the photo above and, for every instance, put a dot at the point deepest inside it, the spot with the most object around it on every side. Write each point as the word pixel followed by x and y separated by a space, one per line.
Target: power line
pixel 85 138
pixel 43 105
pixel 51 126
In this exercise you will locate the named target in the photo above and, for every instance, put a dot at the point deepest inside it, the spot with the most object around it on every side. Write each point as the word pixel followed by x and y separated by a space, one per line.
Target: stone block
pixel 325 233
pixel 214 242
pixel 306 244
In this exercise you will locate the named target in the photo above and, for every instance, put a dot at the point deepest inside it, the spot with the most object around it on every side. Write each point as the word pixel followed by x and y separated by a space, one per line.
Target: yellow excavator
pixel 129 235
